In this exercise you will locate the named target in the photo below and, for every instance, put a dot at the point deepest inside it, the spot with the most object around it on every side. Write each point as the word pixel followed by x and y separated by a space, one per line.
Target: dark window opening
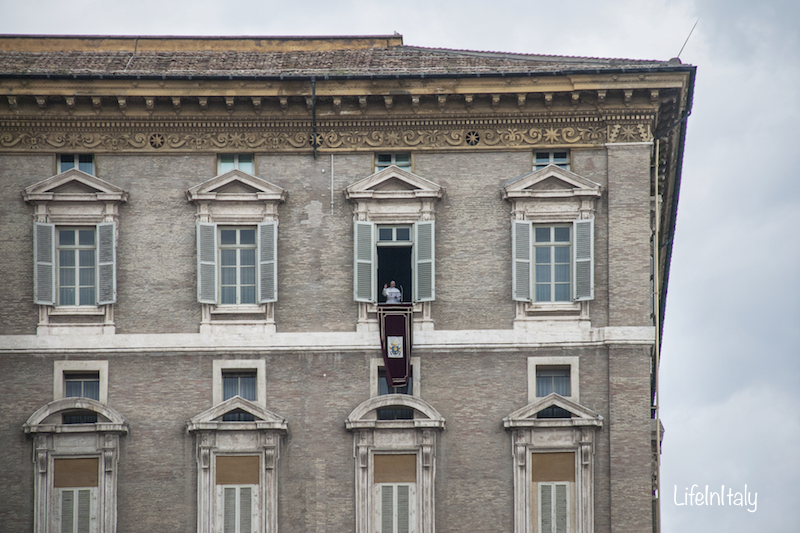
pixel 384 388
pixel 79 417
pixel 554 412
pixel 239 384
pixel 237 415
pixel 394 264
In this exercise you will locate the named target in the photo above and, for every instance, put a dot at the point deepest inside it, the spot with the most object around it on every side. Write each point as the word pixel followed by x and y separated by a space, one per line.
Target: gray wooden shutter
pixel 106 263
pixel 245 510
pixel 267 262
pixel 521 246
pixel 229 510
pixel 364 262
pixel 206 263
pixel 67 511
pixel 561 508
pixel 424 284
pixel 583 259
pixel 44 271
pixel 546 507
pixel 84 511
pixel 387 509
pixel 403 509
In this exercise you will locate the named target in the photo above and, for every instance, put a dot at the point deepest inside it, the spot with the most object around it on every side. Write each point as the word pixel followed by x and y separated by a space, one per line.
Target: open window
pixel 237 252
pixel 552 233
pixel 395 465
pixel 76 453
pixel 75 252
pixel 553 466
pixel 237 467
pixel 394 240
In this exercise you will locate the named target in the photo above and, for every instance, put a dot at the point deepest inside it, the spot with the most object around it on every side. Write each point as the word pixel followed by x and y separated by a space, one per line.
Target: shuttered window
pixel 404 254
pixel 553 263
pixel 553 508
pixel 75 266
pixel 237 265
pixel 237 508
pixel 76 511
pixel 395 508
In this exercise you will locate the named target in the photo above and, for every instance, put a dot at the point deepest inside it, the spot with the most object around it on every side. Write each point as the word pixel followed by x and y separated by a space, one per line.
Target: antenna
pixel 687 37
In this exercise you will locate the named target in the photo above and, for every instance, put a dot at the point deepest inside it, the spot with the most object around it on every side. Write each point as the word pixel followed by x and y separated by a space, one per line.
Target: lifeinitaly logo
pixel 697 496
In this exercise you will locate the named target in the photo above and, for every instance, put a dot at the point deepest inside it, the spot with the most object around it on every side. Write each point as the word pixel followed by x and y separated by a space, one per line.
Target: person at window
pixel 392 293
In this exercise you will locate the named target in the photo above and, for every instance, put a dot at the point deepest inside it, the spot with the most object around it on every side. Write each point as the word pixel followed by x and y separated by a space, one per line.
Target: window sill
pixel 245 309
pixel 77 310
pixel 552 307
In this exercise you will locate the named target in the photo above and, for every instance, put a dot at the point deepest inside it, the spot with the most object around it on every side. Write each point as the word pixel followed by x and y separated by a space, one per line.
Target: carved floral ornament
pixel 461 138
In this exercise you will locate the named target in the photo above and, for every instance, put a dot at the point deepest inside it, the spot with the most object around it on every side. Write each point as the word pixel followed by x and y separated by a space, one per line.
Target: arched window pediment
pixel 428 417
pixel 47 418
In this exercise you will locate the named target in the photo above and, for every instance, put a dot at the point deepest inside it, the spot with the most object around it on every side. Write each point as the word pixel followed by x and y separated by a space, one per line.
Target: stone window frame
pixel 237 198
pixel 394 197
pixel 574 199
pixel 61 368
pixel 220 366
pixel 416 436
pixel 377 363
pixel 74 198
pixel 54 440
pixel 214 437
pixel 573 362
pixel 530 435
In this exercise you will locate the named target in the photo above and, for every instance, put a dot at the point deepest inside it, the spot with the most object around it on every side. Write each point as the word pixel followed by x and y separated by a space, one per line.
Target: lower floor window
pixel 237 508
pixel 75 510
pixel 395 507
pixel 553 477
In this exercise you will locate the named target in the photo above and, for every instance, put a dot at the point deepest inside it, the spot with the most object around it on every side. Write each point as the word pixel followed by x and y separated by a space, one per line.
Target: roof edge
pixel 154 43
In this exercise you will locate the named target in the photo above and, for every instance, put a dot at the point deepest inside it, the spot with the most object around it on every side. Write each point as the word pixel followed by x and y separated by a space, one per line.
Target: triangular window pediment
pixel 237 185
pixel 530 414
pixel 74 185
pixel 212 418
pixel 550 181
pixel 394 182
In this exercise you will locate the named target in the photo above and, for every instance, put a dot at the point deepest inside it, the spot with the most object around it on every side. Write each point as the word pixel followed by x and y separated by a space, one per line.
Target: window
pixel 562 272
pixel 542 159
pixel 547 375
pixel 394 487
pixel 237 460
pixel 237 252
pixel 552 241
pixel 76 483
pixel 243 162
pixel 553 476
pixel 395 465
pixel 239 377
pixel 552 258
pixel 242 259
pixel 239 384
pixel 74 251
pixel 83 162
pixel 80 379
pixel 385 388
pixel 401 160
pixel 82 384
pixel 75 466
pixel 76 266
pixel 548 381
pixel 403 254
pixel 237 265
pixel 553 461
pixel 237 492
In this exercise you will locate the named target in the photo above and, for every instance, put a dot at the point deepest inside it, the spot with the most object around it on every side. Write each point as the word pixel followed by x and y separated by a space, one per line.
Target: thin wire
pixel 687 37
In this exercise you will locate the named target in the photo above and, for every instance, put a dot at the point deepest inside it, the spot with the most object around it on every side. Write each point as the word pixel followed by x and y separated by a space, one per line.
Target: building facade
pixel 199 238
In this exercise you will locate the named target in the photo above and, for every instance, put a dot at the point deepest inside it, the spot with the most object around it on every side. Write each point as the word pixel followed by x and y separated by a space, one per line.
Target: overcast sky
pixel 731 348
